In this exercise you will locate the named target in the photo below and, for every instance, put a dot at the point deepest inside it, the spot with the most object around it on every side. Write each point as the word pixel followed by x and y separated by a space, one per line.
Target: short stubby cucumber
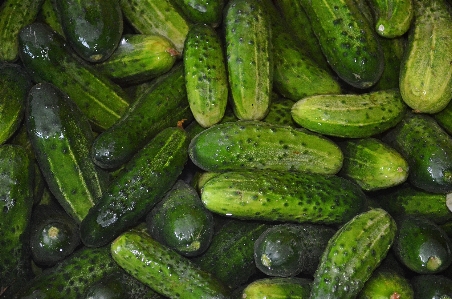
pixel 249 55
pixel 283 196
pixel 260 145
pixel 350 115
pixel 425 72
pixel 352 254
pixel 392 18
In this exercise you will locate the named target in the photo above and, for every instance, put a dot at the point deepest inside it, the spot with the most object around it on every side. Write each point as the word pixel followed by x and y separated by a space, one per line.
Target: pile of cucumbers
pixel 225 149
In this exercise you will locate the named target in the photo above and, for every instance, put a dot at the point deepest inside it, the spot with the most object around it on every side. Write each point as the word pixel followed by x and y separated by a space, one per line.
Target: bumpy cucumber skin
pixel 48 58
pixel 260 145
pixel 145 180
pixel 202 11
pixel 14 15
pixel 48 15
pixel 392 18
pixel 283 196
pixel 93 28
pixel 430 36
pixel 347 40
pixel 427 149
pixel 163 269
pixel 205 75
pixel 352 254
pixel 249 58
pixel 280 113
pixel 61 139
pixel 350 115
pixel 384 284
pixel 372 164
pixel 278 287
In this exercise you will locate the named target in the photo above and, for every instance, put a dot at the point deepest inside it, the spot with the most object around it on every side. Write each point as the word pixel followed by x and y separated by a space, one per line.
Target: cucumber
pixel 205 75
pixel 164 270
pixel 352 254
pixel 181 222
pixel 384 284
pixel 350 115
pixel 347 40
pixel 93 28
pixel 143 182
pixel 432 286
pixel 372 164
pixel 260 145
pixel 16 199
pixel 49 16
pixel 280 113
pixel 430 36
pixel 157 17
pixel 14 15
pixel 109 287
pixel 202 11
pixel 48 58
pixel 278 287
pixel 427 149
pixel 14 84
pixel 139 58
pixel 247 34
pixel 61 139
pixel 283 196
pixel 392 18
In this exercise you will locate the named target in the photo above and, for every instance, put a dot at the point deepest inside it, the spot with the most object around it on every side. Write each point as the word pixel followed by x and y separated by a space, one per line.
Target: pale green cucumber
pixel 392 17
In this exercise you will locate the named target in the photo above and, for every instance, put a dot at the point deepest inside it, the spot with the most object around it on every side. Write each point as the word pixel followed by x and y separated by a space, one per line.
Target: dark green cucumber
pixel 61 138
pixel 157 17
pixel 181 222
pixel 16 202
pixel 143 182
pixel 283 196
pixel 109 287
pixel 260 145
pixel 429 286
pixel 372 164
pixel 278 287
pixel 385 283
pixel 249 55
pixel 49 16
pixel 139 58
pixel 48 58
pixel 427 149
pixel 421 245
pixel 430 36
pixel 93 28
pixel 352 254
pixel 14 15
pixel 202 11
pixel 205 75
pixel 392 18
pixel 14 84
pixel 230 257
pixel 350 115
pixel 280 113
pixel 347 40
pixel 164 270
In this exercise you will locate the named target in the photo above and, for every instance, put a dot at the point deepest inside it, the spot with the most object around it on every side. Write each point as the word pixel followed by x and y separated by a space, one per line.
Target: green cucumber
pixel 278 287
pixel 151 113
pixel 249 54
pixel 157 17
pixel 61 139
pixel 430 36
pixel 48 58
pixel 202 11
pixel 164 270
pixel 347 40
pixel 280 113
pixel 283 196
pixel 260 145
pixel 386 284
pixel 143 182
pixel 93 28
pixel 350 115
pixel 392 18
pixel 49 16
pixel 427 149
pixel 352 254
pixel 429 286
pixel 14 15
pixel 372 164
pixel 139 58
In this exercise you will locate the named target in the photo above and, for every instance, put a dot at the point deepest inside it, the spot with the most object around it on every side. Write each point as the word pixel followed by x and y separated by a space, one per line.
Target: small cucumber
pixel 205 75
pixel 283 196
pixel 347 40
pixel 164 270
pixel 386 284
pixel 352 254
pixel 278 287
pixel 49 16
pixel 280 113
pixel 202 11
pixel 372 164
pixel 61 138
pixel 247 28
pixel 143 182
pixel 350 115
pixel 393 17
pixel 430 37
pixel 429 286
pixel 93 28
pixel 260 145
